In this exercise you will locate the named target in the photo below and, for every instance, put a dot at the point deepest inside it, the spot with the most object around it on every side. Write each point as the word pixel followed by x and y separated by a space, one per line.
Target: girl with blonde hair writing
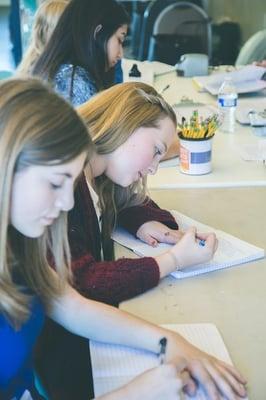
pixel 44 146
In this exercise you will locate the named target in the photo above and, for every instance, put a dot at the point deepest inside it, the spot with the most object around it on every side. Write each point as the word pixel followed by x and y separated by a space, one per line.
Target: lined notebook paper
pixel 231 250
pixel 114 366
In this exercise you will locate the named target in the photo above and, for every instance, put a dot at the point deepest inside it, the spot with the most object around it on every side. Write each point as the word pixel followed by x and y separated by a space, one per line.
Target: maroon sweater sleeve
pixel 107 281
pixel 113 282
pixel 132 218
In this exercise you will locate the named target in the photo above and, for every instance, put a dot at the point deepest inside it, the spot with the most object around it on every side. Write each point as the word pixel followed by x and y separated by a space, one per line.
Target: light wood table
pixel 233 299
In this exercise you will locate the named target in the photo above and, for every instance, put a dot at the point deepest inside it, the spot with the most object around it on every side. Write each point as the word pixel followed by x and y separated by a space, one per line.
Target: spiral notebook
pixel 113 365
pixel 231 250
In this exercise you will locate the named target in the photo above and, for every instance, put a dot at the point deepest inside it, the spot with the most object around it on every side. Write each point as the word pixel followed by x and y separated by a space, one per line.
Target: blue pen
pixel 202 242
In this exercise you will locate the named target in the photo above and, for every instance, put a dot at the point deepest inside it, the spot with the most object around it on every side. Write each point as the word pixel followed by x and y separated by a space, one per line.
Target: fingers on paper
pixel 218 379
pixel 228 385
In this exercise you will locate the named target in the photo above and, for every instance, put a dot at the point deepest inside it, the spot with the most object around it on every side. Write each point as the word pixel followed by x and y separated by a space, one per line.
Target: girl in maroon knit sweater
pixel 132 127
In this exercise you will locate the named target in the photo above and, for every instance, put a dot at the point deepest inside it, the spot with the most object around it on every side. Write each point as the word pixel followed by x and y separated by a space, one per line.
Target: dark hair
pixel 73 40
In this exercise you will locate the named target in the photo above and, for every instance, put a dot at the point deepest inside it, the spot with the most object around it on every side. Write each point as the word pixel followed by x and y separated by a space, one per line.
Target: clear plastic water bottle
pixel 227 100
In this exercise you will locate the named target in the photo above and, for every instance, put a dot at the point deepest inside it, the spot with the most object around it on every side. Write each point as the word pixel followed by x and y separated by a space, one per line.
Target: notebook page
pixel 113 365
pixel 231 250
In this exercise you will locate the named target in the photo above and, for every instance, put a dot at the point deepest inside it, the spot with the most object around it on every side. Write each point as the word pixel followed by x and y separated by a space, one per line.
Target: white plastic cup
pixel 195 156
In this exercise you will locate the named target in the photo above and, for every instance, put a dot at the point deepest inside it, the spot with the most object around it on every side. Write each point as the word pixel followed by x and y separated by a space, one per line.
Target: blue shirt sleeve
pixel 16 349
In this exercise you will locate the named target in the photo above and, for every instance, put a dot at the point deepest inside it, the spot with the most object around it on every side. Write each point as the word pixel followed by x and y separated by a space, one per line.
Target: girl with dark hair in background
pixel 84 49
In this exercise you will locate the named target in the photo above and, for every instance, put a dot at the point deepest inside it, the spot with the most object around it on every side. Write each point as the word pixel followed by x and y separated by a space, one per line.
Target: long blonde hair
pixel 112 117
pixel 45 21
pixel 37 127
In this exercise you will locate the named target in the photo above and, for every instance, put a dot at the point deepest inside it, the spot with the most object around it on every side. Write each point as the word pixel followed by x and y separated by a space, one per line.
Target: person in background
pixel 45 21
pixel 44 146
pixel 111 191
pixel 86 45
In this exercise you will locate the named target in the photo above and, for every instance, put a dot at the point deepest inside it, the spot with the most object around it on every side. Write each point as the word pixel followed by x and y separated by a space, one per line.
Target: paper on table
pixel 247 79
pixel 231 250
pixel 162 68
pixel 114 366
pixel 254 151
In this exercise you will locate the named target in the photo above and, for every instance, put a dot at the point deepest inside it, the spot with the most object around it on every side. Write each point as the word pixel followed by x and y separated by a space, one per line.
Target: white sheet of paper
pixel 254 151
pixel 246 79
pixel 114 366
pixel 231 250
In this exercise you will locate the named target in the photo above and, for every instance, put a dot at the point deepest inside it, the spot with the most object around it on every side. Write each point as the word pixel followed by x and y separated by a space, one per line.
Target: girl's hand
pixel 154 232
pixel 217 378
pixel 163 382
pixel 188 250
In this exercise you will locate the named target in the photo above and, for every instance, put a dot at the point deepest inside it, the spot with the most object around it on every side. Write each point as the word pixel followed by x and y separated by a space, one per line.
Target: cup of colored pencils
pixel 196 143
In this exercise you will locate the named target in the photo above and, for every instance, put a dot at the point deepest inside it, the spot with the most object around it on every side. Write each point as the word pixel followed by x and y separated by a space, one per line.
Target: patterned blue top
pixel 83 86
pixel 16 348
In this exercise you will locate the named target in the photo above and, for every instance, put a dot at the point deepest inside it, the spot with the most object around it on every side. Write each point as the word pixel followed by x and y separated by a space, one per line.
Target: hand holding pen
pixel 194 248
pixel 179 364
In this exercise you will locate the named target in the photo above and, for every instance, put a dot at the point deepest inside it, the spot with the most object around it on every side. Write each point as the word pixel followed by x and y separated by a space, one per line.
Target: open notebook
pixel 231 250
pixel 114 365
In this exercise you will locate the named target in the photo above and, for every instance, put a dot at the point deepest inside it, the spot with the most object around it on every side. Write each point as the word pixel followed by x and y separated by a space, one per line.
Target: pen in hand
pixel 202 242
pixel 162 344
